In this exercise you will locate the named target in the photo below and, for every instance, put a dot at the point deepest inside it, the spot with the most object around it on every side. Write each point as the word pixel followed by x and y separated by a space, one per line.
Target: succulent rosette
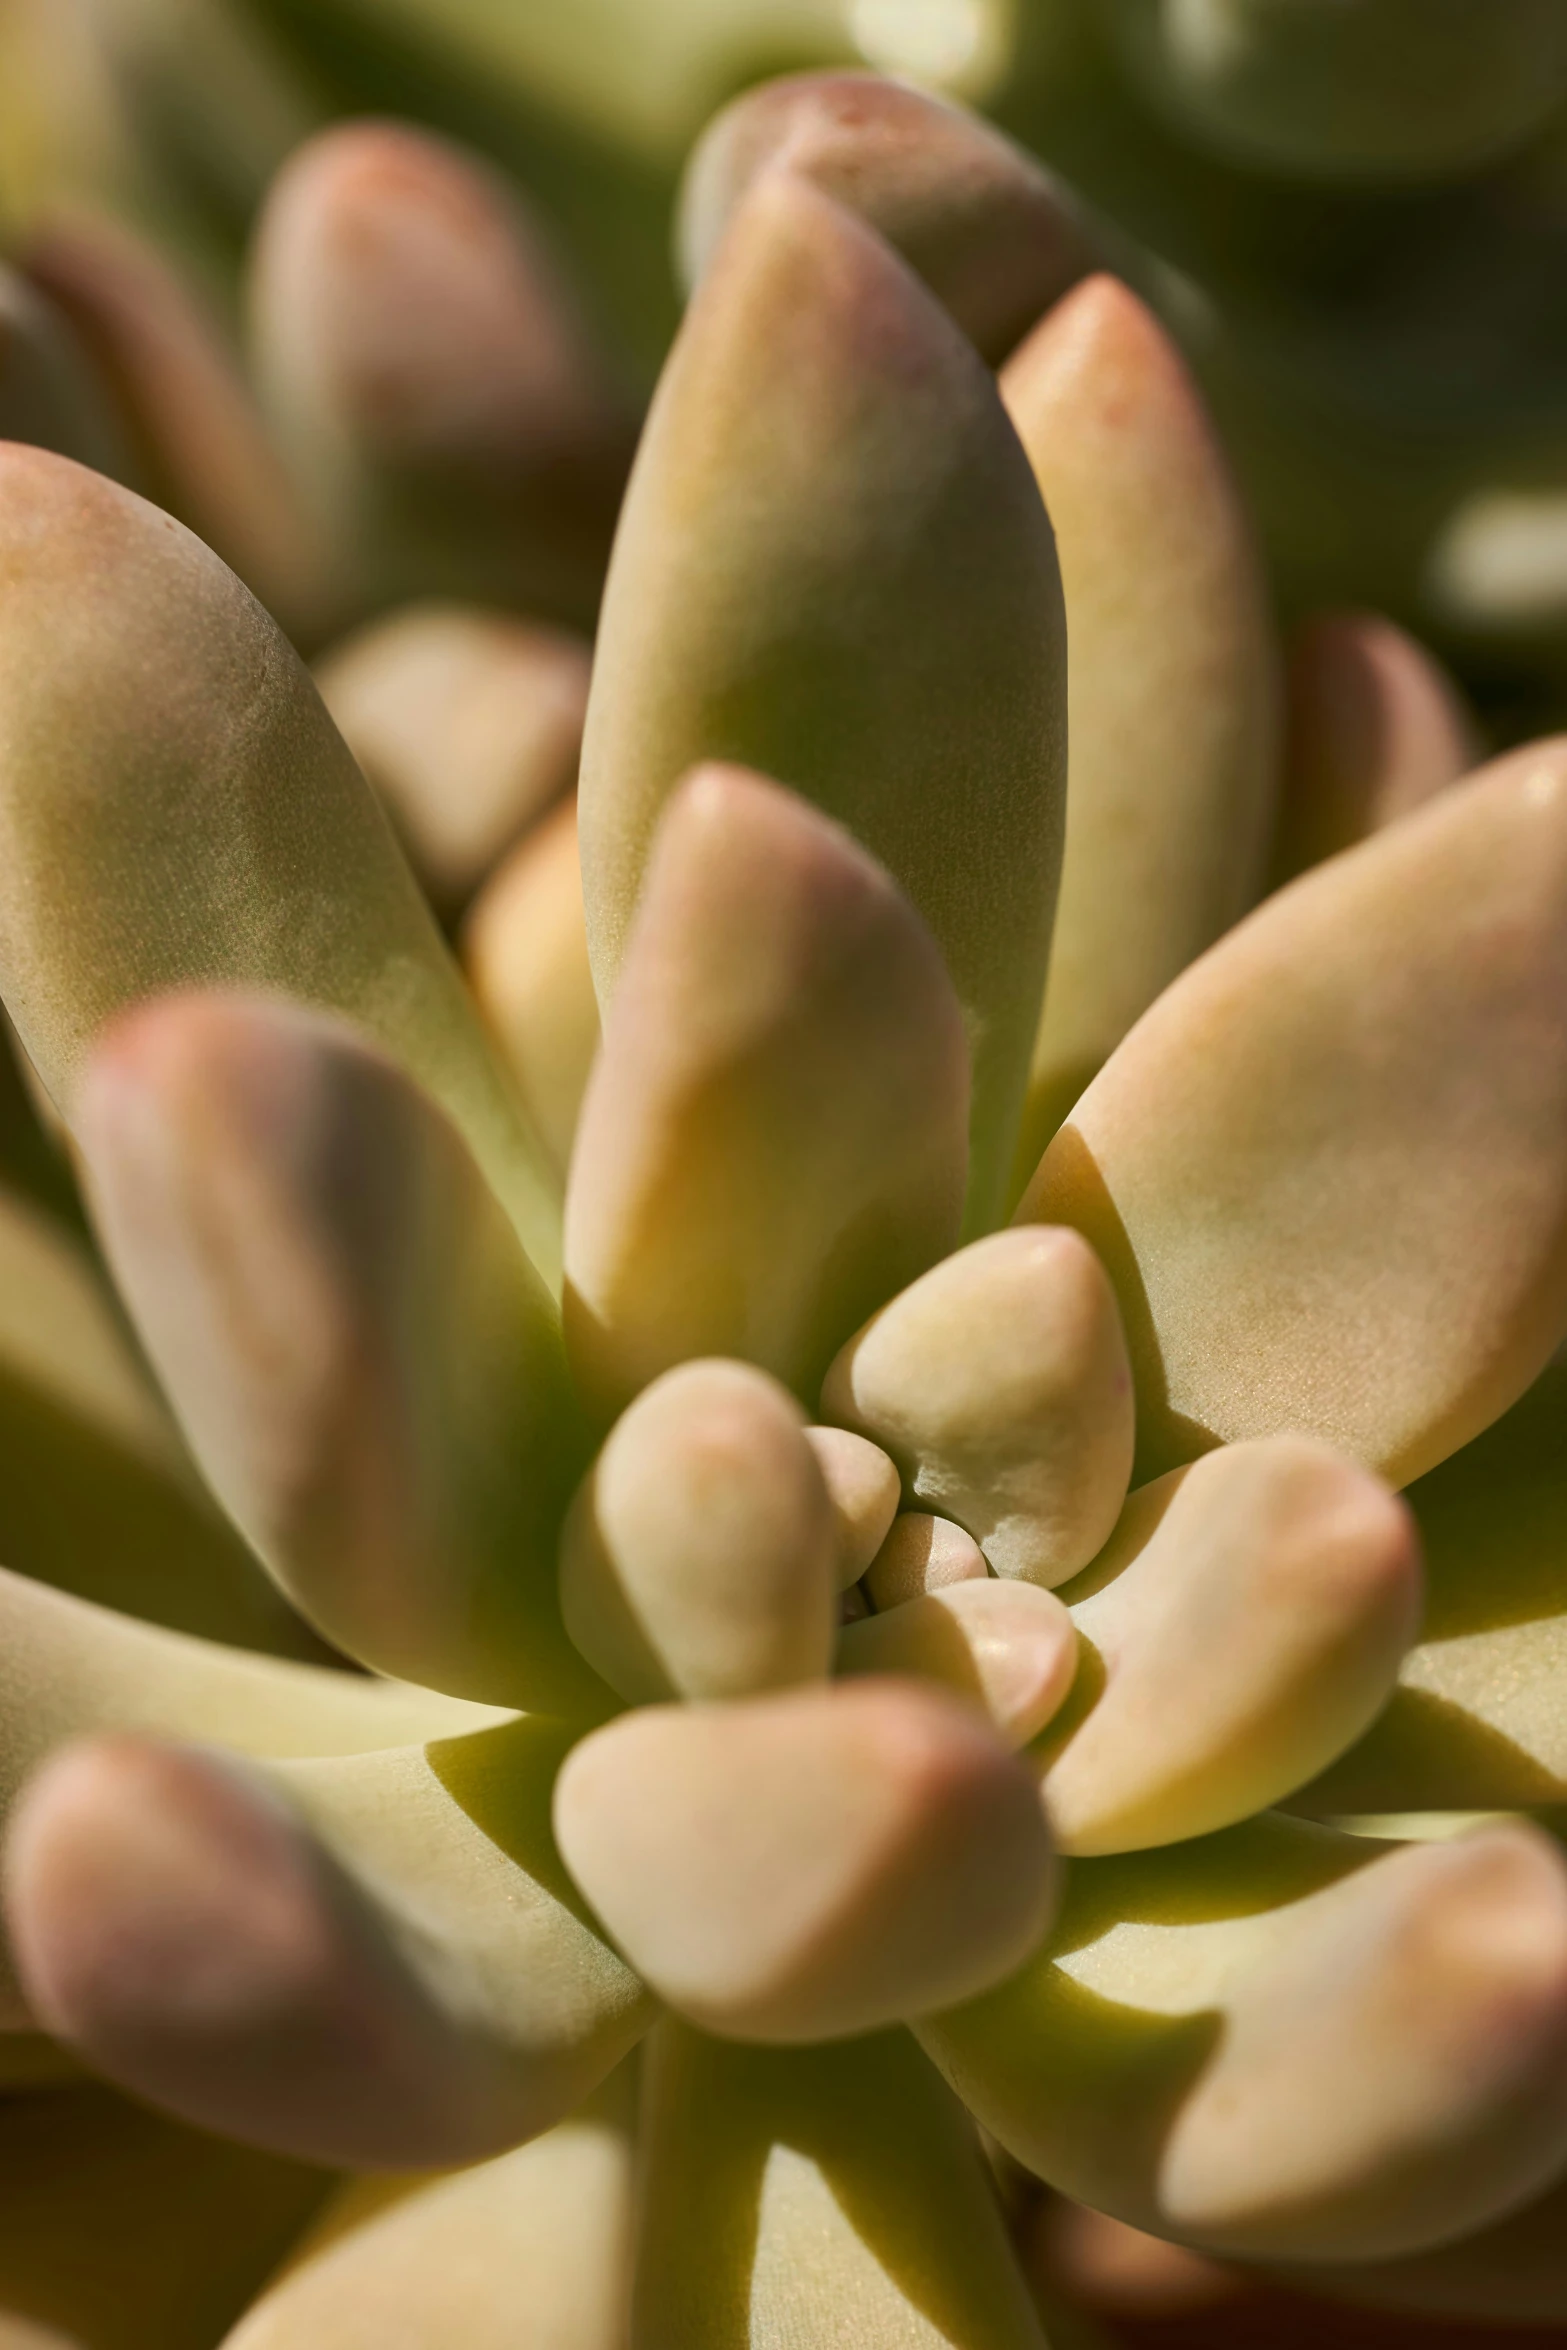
pixel 880 1603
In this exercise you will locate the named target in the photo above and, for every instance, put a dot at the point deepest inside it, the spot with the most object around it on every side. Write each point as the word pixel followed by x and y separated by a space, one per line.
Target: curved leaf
pixel 176 808
pixel 1328 1170
pixel 1172 690
pixel 819 2195
pixel 833 565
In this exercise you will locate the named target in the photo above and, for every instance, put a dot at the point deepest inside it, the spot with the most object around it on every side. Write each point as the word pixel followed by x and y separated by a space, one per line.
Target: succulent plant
pixel 886 1592
pixel 416 472
pixel 1351 208
pixel 428 412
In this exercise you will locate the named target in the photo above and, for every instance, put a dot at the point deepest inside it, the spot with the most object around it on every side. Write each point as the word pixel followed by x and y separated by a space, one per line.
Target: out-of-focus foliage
pixel 1350 211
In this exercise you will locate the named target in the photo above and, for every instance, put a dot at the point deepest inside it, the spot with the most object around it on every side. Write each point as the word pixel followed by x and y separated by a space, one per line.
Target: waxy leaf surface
pixel 832 565
pixel 1328 1170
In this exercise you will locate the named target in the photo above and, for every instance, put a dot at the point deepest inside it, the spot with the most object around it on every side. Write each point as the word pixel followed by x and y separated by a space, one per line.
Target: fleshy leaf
pixel 1008 1646
pixel 1328 1170
pixel 199 446
pixel 863 1486
pixel 999 1384
pixel 832 565
pixel 365 1961
pixel 810 1865
pixel 1172 688
pixel 69 1669
pixel 1283 2043
pixel 1380 89
pixel 176 808
pixel 1478 1717
pixel 818 2195
pixel 1246 1620
pixel 994 235
pixel 97 1494
pixel 773 1137
pixel 544 2230
pixel 921 1554
pixel 468 723
pixel 369 1370
pixel 1376 727
pixel 525 950
pixel 425 365
pixel 699 1559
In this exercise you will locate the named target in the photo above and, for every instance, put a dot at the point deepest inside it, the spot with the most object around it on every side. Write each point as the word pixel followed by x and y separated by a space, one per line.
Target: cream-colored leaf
pixel 1479 1717
pixel 469 724
pixel 810 1865
pixel 68 1668
pixel 832 2195
pixel 992 233
pixel 1246 1619
pixel 1282 2042
pixel 525 950
pixel 999 1384
pixel 539 2237
pixel 773 1137
pixel 1008 1646
pixel 863 1487
pixel 1172 690
pixel 922 1554
pixel 699 1559
pixel 366 1961
pixel 1497 564
pixel 176 808
pixel 427 367
pixel 833 565
pixel 1328 1170
pixel 369 1370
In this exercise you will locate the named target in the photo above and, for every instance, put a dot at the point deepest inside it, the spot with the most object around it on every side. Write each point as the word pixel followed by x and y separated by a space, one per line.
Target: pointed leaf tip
pixel 992 233
pixel 426 365
pixel 1172 677
pixel 370 1371
pixel 774 1136
pixel 1328 1170
pixel 833 565
pixel 176 809
pixel 699 1559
